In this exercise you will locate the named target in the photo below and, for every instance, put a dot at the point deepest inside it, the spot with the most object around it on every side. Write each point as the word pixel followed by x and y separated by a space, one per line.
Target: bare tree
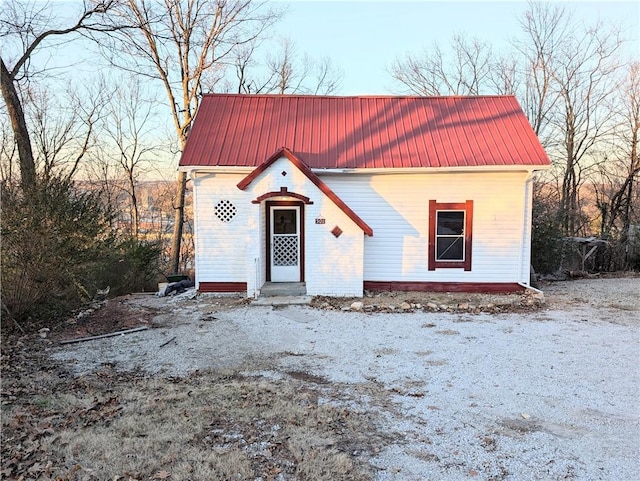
pixel 545 27
pixel 585 78
pixel 8 149
pixel 101 175
pixel 29 25
pixel 618 176
pixel 466 69
pixel 571 72
pixel 506 77
pixel 63 127
pixel 179 43
pixel 129 134
pixel 285 72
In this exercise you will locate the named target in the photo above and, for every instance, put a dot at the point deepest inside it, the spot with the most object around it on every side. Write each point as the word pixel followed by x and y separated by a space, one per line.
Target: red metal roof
pixel 363 132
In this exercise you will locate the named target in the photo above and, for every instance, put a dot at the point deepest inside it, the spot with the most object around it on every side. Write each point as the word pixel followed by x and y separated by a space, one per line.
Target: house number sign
pixel 319 220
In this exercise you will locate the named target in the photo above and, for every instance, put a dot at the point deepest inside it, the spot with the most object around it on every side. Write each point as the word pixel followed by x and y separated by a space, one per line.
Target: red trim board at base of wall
pixel 478 287
pixel 222 287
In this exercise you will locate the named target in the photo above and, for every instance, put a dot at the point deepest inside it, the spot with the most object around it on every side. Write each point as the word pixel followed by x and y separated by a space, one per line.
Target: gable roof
pixel 324 188
pixel 363 132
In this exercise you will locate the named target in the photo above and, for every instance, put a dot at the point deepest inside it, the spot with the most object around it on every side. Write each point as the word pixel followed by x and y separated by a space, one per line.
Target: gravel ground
pixel 548 394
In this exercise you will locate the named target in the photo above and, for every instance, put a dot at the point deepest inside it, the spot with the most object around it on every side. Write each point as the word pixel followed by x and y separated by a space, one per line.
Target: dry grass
pixel 210 426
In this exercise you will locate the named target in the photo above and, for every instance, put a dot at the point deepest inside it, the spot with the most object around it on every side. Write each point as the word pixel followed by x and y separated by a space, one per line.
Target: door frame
pixel 269 205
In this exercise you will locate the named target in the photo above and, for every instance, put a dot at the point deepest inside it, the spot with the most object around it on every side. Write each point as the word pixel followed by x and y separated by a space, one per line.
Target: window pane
pixel 450 249
pixel 284 221
pixel 450 223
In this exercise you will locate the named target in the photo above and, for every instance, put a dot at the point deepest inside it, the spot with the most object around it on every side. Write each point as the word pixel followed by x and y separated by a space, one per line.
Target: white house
pixel 351 193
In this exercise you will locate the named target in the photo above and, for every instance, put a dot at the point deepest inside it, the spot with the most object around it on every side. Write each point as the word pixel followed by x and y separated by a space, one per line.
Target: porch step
pixel 282 301
pixel 283 289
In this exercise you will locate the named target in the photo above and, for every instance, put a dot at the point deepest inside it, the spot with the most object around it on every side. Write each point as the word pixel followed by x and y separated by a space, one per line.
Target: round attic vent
pixel 225 210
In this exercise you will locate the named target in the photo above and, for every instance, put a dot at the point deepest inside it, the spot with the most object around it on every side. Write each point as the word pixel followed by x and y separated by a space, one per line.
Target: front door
pixel 285 243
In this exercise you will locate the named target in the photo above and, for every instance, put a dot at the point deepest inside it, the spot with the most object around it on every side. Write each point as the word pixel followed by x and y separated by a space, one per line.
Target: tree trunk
pixel 568 201
pixel 19 126
pixel 178 221
pixel 135 215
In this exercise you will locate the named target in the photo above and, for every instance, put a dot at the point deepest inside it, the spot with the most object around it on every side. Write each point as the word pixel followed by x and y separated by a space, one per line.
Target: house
pixel 352 193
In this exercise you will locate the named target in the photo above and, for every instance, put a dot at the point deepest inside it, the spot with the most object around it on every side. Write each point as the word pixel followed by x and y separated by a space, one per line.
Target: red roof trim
pixel 282 192
pixel 326 190
pixel 244 183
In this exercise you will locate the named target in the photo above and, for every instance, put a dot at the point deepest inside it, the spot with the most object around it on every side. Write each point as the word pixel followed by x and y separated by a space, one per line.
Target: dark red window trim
pixel 434 207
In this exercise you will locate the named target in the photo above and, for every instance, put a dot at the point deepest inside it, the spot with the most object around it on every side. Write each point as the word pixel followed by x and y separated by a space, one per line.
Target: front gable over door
pixel 302 167
pixel 319 240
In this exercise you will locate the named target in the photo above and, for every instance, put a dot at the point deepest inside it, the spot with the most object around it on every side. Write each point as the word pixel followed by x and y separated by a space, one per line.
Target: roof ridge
pixel 363 96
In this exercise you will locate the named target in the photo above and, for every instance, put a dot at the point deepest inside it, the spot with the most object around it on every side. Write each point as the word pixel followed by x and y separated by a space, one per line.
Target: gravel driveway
pixel 549 394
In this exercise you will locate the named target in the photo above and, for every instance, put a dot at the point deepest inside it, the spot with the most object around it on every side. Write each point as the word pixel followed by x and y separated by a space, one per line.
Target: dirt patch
pixel 104 318
pixel 411 301
pixel 130 311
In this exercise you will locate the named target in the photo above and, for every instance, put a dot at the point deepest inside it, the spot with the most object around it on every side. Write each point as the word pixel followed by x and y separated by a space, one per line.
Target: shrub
pixel 129 266
pixel 546 233
pixel 58 249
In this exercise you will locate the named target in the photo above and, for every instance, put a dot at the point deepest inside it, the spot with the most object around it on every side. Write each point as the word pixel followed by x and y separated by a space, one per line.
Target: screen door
pixel 285 244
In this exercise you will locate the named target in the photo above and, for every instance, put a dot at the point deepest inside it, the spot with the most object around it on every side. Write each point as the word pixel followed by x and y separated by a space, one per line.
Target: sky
pixel 364 37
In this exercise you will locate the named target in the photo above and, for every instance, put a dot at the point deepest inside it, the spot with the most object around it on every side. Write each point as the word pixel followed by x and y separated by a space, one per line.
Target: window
pixel 225 210
pixel 450 235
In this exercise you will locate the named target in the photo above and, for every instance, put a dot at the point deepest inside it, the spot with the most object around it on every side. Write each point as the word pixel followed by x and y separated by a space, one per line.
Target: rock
pixel 324 305
pixel 356 306
pixel 491 305
pixel 346 308
pixel 464 306
pixel 432 306
pixel 44 332
pixel 405 306
pixel 443 307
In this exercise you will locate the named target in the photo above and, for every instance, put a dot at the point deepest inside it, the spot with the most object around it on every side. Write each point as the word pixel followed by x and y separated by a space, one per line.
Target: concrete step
pixel 280 289
pixel 282 301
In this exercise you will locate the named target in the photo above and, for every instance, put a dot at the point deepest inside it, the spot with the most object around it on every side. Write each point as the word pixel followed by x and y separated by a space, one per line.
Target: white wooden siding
pixel 396 206
pixel 220 246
